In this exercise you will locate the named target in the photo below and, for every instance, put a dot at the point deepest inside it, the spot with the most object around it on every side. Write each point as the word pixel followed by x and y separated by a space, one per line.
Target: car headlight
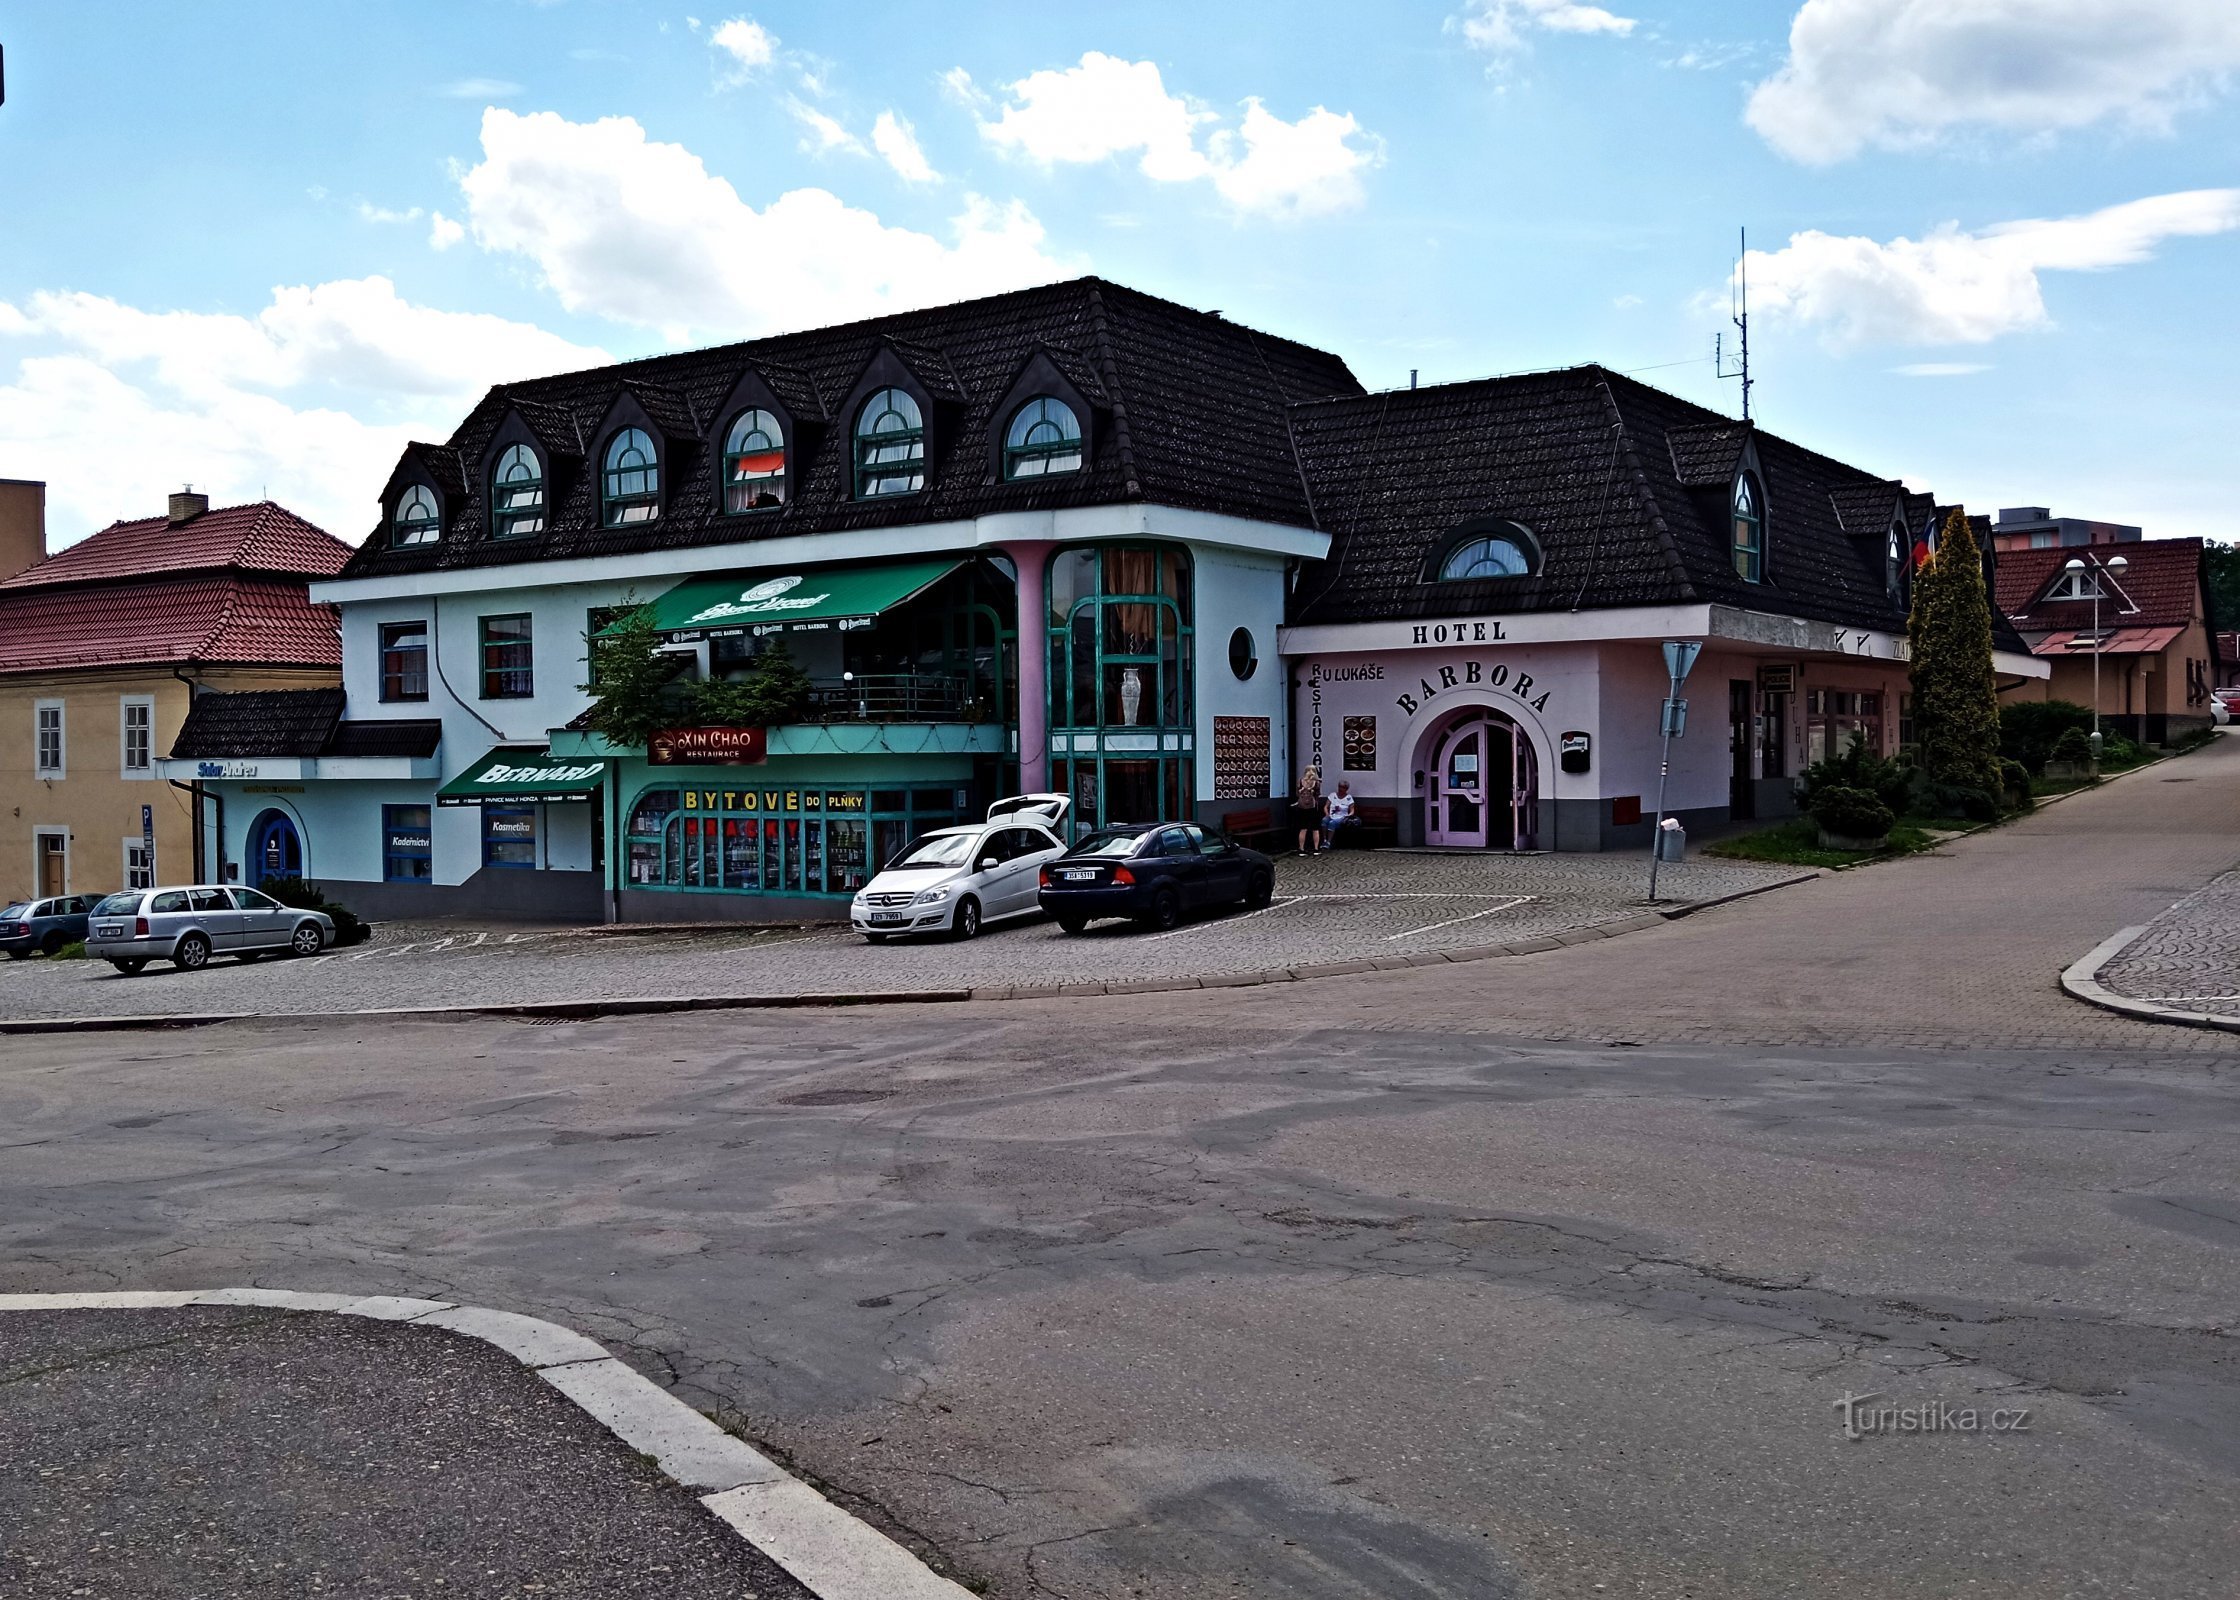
pixel 931 897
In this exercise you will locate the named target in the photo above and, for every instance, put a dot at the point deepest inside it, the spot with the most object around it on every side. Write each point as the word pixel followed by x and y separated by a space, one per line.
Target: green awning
pixel 517 775
pixel 814 600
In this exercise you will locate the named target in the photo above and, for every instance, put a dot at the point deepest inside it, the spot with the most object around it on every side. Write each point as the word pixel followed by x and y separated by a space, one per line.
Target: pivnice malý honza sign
pixel 708 747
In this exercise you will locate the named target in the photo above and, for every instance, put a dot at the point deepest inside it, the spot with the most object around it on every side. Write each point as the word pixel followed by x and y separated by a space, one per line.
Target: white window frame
pixel 126 705
pixel 61 767
pixel 133 845
pixel 40 834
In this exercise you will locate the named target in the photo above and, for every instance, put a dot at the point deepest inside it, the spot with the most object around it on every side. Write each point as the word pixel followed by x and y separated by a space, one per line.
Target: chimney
pixel 186 505
pixel 23 525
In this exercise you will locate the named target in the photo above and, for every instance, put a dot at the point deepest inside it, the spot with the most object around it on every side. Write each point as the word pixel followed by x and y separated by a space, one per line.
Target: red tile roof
pixel 2119 642
pixel 208 618
pixel 2160 587
pixel 263 537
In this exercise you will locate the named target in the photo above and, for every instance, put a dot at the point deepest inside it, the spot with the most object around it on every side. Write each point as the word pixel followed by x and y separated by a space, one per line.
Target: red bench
pixel 1247 826
pixel 1373 826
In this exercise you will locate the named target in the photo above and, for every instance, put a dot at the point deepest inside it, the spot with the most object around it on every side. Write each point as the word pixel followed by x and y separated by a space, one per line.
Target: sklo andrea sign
pixel 708 747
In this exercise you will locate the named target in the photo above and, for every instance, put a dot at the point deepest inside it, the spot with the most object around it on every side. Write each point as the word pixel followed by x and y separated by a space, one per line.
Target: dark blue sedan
pixel 44 926
pixel 1154 874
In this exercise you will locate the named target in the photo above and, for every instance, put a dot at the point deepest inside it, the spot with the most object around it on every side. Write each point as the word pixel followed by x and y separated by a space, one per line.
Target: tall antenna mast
pixel 1742 325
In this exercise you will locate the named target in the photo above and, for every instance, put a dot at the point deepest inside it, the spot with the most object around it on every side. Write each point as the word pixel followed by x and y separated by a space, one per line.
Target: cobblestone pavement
pixel 2189 957
pixel 1352 906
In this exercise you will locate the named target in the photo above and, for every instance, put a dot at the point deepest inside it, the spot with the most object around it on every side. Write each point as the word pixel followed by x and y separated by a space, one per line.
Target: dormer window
pixel 890 446
pixel 1749 530
pixel 1894 557
pixel 415 521
pixel 630 488
pixel 754 463
pixel 517 494
pixel 1044 438
pixel 2083 585
pixel 1484 548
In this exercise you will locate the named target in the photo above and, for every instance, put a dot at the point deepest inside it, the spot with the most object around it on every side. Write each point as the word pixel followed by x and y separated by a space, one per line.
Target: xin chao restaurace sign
pixel 700 747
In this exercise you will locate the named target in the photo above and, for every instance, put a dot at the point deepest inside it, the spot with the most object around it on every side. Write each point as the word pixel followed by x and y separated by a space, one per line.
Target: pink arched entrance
pixel 1481 783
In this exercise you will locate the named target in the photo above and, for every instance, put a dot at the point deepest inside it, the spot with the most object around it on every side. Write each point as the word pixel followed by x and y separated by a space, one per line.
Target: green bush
pixel 349 928
pixel 2028 729
pixel 1961 800
pixel 2118 751
pixel 2017 776
pixel 2073 747
pixel 1852 813
pixel 1857 767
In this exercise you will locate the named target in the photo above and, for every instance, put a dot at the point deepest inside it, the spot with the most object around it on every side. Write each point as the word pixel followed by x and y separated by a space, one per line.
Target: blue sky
pixel 258 246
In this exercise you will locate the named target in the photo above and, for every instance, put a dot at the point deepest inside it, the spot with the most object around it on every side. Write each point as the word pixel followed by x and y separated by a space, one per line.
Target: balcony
pixel 899 697
pixel 866 714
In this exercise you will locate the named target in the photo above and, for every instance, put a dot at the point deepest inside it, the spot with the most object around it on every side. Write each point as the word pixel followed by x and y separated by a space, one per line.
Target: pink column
pixel 1033 561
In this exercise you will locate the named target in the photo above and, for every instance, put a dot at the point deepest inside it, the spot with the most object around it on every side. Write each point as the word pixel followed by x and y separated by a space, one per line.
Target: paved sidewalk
pixel 247 1453
pixel 1355 906
pixel 2189 957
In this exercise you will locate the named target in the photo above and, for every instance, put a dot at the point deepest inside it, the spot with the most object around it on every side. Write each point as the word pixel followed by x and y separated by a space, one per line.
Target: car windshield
pixel 936 850
pixel 117 905
pixel 1108 844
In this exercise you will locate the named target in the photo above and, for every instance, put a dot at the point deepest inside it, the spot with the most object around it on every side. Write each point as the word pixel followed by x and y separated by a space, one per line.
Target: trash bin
pixel 1672 841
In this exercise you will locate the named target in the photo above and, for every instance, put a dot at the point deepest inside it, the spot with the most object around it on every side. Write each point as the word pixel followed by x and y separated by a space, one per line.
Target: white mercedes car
pixel 955 881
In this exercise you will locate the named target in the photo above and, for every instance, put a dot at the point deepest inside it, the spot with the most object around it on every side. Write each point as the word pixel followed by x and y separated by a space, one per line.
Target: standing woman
pixel 1306 809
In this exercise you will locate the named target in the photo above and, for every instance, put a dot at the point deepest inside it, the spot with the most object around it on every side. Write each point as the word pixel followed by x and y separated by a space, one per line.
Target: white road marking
pixel 1514 900
pixel 1507 902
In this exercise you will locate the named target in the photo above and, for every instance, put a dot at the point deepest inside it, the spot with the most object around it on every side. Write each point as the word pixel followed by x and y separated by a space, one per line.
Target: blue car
pixel 44 926
pixel 1154 874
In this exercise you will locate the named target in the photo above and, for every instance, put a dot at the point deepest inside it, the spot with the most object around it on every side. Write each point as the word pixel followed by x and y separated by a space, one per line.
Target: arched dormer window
pixel 754 462
pixel 1044 438
pixel 630 487
pixel 1484 548
pixel 1749 529
pixel 517 494
pixel 416 520
pixel 890 446
pixel 1894 558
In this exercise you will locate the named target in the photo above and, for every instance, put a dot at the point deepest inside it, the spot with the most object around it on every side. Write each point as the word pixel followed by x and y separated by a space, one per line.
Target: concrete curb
pixel 586 1010
pixel 834 1555
pixel 2082 981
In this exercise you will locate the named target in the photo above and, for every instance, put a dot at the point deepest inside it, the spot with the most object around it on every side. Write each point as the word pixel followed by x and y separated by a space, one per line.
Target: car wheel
pixel 1073 924
pixel 1261 890
pixel 1166 910
pixel 192 953
pixel 307 940
pixel 968 919
pixel 129 966
pixel 51 943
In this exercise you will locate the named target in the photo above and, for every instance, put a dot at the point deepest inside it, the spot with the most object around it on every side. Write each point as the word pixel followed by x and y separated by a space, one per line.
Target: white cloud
pixel 897 142
pixel 480 89
pixel 822 134
pixel 444 232
pixel 1105 107
pixel 748 43
pixel 1953 287
pixel 310 399
pixel 369 212
pixel 1941 369
pixel 1499 27
pixel 631 228
pixel 1899 73
pixel 1626 302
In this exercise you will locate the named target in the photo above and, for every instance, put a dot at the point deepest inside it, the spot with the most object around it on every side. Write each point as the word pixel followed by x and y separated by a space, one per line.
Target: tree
pixel 773 692
pixel 1955 695
pixel 630 695
pixel 2220 571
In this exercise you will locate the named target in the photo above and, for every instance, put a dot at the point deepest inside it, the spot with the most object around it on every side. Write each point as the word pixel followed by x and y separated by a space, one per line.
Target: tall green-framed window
pixel 630 488
pixel 890 446
pixel 508 658
pixel 1121 707
pixel 754 463
pixel 1749 529
pixel 776 839
pixel 1044 438
pixel 517 494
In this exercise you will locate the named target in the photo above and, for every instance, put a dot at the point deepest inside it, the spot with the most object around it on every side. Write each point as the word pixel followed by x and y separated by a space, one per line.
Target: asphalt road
pixel 1362 1288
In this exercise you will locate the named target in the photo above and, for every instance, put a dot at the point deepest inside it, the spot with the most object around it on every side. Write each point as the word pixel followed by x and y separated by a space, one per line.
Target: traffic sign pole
pixel 1679 659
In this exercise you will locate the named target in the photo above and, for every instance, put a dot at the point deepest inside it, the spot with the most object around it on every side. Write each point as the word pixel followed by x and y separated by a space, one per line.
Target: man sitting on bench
pixel 1337 812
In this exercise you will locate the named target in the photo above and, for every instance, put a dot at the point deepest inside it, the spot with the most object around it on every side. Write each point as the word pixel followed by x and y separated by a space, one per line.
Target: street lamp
pixel 2113 567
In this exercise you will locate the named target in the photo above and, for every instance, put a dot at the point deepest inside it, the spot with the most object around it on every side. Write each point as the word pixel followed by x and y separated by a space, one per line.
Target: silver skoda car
pixel 188 926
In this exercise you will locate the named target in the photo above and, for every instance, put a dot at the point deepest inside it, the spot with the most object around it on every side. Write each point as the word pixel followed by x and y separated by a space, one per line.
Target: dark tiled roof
pixel 262 537
pixel 258 722
pixel 1866 507
pixel 2162 578
pixel 1592 463
pixel 1195 418
pixel 205 618
pixel 416 738
pixel 441 463
pixel 671 412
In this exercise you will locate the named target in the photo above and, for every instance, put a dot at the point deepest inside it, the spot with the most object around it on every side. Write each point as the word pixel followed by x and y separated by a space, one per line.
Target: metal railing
pixel 900 697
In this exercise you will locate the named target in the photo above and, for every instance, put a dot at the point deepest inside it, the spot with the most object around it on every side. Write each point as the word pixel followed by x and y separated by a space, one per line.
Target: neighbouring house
pixel 2138 640
pixel 1072 538
pixel 105 645
pixel 2037 528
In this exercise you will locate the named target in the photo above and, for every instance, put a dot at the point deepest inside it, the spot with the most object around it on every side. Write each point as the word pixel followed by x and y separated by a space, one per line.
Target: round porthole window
pixel 1243 658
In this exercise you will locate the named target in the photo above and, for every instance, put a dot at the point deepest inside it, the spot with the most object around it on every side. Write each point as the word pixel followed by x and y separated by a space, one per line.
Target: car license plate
pixel 1079 877
pixel 112 930
pixel 887 916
